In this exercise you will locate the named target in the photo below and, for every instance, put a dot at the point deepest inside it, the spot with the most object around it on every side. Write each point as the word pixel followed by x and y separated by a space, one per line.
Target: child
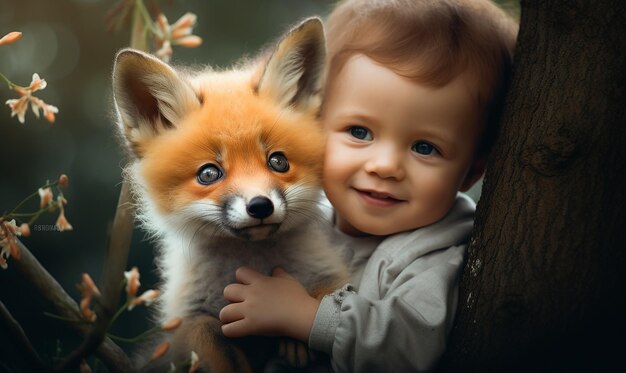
pixel 411 99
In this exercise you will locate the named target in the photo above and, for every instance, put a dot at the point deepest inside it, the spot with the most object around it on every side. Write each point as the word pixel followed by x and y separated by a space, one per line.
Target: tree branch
pixel 115 263
pixel 111 354
pixel 17 334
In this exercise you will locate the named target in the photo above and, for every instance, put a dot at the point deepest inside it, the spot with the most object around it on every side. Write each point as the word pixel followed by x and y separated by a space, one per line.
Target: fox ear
pixel 293 74
pixel 149 97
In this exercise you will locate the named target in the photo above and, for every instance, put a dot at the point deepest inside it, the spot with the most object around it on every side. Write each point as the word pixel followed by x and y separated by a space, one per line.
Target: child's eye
pixel 208 174
pixel 360 133
pixel 424 148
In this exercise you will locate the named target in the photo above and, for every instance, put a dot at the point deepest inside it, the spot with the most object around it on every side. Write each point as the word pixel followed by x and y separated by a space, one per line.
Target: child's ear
pixel 475 172
pixel 293 74
pixel 149 96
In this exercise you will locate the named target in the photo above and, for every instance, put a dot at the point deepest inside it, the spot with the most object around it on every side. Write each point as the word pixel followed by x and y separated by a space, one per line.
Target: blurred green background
pixel 65 41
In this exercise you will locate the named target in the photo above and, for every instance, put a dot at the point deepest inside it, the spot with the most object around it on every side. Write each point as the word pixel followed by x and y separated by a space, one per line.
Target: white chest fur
pixel 195 270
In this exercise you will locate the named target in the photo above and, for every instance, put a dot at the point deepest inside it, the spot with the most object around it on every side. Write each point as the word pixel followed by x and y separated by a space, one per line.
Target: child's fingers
pixel 279 272
pixel 234 292
pixel 230 314
pixel 236 329
pixel 247 275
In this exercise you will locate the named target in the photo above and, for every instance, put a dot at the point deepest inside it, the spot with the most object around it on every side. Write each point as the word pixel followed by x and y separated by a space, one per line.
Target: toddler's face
pixel 397 151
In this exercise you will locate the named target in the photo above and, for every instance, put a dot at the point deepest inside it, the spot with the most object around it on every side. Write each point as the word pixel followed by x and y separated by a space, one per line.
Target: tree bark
pixel 544 285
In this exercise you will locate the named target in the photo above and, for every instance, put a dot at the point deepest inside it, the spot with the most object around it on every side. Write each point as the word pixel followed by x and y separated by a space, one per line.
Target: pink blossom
pixel 8 242
pixel 45 197
pixel 177 34
pixel 89 290
pixel 147 298
pixel 62 224
pixel 18 106
pixel 132 282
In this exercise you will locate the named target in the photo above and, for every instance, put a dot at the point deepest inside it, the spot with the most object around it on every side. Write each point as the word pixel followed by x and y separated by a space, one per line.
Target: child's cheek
pixel 334 159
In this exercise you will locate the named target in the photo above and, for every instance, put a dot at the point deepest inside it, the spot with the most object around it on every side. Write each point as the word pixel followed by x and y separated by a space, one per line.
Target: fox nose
pixel 260 207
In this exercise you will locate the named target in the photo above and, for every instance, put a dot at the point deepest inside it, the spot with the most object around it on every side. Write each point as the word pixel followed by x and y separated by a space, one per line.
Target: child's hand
pixel 263 305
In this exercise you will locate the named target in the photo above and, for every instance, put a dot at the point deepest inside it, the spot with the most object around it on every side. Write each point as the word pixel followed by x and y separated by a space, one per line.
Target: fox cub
pixel 226 167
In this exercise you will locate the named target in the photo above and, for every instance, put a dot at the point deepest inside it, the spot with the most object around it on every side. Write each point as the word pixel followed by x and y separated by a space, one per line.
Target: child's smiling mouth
pixel 378 199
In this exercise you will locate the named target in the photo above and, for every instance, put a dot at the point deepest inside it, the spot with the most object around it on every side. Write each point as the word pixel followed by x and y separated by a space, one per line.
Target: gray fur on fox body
pixel 217 196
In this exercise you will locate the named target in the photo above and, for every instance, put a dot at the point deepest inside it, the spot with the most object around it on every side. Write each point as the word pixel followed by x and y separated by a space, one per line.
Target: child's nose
pixel 386 163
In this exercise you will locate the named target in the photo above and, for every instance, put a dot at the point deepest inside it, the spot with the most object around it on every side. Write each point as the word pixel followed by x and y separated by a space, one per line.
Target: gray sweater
pixel 399 316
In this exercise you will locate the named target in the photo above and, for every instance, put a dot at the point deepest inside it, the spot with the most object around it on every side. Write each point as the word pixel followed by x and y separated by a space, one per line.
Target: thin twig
pixel 16 331
pixel 118 248
pixel 115 263
pixel 110 353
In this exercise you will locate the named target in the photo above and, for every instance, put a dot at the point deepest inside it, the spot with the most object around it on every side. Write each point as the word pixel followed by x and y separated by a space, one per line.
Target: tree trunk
pixel 544 285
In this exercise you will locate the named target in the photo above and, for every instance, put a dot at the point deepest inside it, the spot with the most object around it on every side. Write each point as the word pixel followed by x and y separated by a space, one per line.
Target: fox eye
pixel 278 162
pixel 208 174
pixel 360 133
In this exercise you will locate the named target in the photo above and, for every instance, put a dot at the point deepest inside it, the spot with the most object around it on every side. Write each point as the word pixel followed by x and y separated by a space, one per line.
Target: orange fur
pixel 219 131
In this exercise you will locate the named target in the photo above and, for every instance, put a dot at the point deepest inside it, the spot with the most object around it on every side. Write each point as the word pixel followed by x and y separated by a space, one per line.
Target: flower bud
pixel 63 180
pixel 10 38
pixel 160 350
pixel 187 20
pixel 172 324
pixel 190 41
pixel 90 286
pixel 25 230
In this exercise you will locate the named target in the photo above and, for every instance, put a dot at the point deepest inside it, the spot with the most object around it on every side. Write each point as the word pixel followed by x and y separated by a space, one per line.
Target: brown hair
pixel 429 42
